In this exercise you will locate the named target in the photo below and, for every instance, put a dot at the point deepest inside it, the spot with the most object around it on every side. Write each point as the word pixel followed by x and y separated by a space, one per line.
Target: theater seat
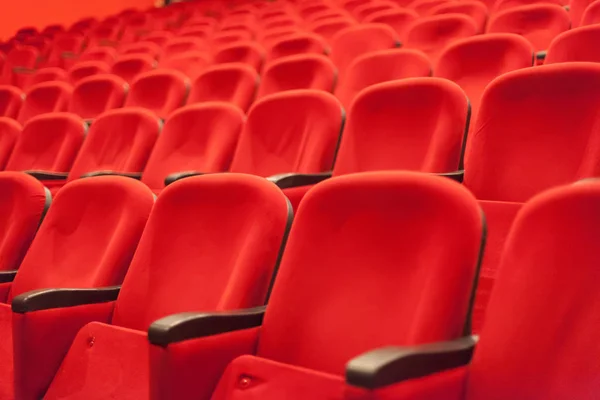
pixel 145 48
pixel 181 45
pixel 86 68
pixel 46 75
pixel 190 63
pixel 294 44
pixel 551 249
pixel 11 99
pixel 339 283
pixel 399 20
pixel 101 53
pixel 45 97
pixel 85 244
pixel 96 94
pixel 20 62
pixel 10 130
pixel 227 38
pixel 503 5
pixel 576 10
pixel 327 29
pixel 574 45
pixel 248 53
pixel 198 137
pixel 161 91
pixel 591 15
pixel 128 67
pixel 235 83
pixel 304 71
pixel 381 66
pixel 475 9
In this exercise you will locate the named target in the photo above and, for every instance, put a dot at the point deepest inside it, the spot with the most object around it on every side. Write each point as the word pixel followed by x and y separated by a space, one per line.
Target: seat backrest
pixel 241 52
pixel 183 44
pixel 146 48
pixel 352 42
pixel 198 137
pixel 48 142
pixel 475 61
pixel 278 139
pixel 365 250
pixel 23 203
pixel 399 20
pixel 47 75
pixel 11 99
pixel 300 43
pixel 235 83
pixel 424 7
pixel 327 29
pixel 503 5
pixel 576 11
pixel 227 38
pixel 119 140
pixel 528 118
pixel 221 233
pixel 591 15
pixel 128 67
pixel 22 56
pixel 98 93
pixel 159 37
pixel 44 98
pixel 432 34
pixel 102 53
pixel 202 33
pixel 86 68
pixel 161 91
pixel 381 66
pixel 88 237
pixel 363 12
pixel 190 63
pixel 416 124
pixel 575 45
pixel 10 130
pixel 475 9
pixel 538 23
pixel 546 283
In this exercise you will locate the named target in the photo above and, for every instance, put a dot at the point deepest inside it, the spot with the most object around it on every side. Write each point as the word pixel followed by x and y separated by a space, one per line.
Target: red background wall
pixel 15 14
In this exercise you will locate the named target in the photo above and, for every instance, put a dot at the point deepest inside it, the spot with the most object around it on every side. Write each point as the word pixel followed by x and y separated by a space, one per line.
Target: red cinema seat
pixel 182 45
pixel 304 71
pixel 551 250
pixel 307 10
pixel 352 233
pixel 471 8
pixel 503 5
pixel 142 48
pixel 48 143
pixel 432 34
pixel 198 224
pixel 51 31
pixel 576 10
pixel 105 34
pixel 399 20
pixel 424 7
pixel 24 202
pixel 294 44
pixel 48 74
pixel 328 15
pixel 11 99
pixel 381 66
pixel 235 83
pixel 351 5
pixel 201 33
pixel 474 62
pixel 45 97
pixel 283 22
pixel 10 130
pixel 84 246
pixel 363 12
pixel 248 53
pixel 197 137
pixel 268 38
pixel 575 45
pixel 128 67
pixel 190 63
pixel 591 15
pixel 327 29
pixel 20 62
pixel 83 25
pixel 158 37
pixel 224 39
pixel 96 94
pixel 161 91
pixel 65 48
pixel 86 68
pixel 352 42
pixel 104 54
pixel 538 23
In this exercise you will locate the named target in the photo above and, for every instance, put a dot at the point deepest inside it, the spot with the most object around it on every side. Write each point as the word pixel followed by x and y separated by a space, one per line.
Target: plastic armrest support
pixel 7 276
pixel 457 176
pixel 45 299
pixel 191 325
pixel 180 175
pixel 390 365
pixel 48 176
pixel 133 175
pixel 286 181
pixel 540 55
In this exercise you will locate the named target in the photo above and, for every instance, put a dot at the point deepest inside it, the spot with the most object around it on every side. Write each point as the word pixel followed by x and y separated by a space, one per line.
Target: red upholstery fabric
pixel 227 38
pixel 474 62
pixel 199 137
pixel 19 57
pixel 576 11
pixel 304 71
pixel 183 44
pixel 328 15
pixel 235 83
pixel 381 66
pixel 414 124
pixel 528 118
pixel 190 63
pixel 591 15
pixel 10 130
pixel 538 23
pixel 47 75
pixel 86 68
pixel 48 142
pixel 352 42
pixel 242 52
pixel 399 20
pixel 128 67
pixel 278 139
pixel 503 5
pixel 329 28
pixel 119 140
pixel 471 8
pixel 45 98
pixel 432 34
pixel 161 91
pixel 143 48
pixel 424 7
pixel 105 54
pixel 574 45
pixel 363 12
pixel 195 32
pixel 96 94
pixel 63 46
pixel 300 43
pixel 11 99
pixel 22 205
pixel 551 249
pixel 159 37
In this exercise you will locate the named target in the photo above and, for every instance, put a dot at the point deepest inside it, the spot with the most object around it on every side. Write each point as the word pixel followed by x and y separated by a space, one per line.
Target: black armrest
pixel 45 299
pixel 180 175
pixel 133 175
pixel 48 176
pixel 285 181
pixel 179 327
pixel 457 176
pixel 540 55
pixel 390 365
pixel 7 276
